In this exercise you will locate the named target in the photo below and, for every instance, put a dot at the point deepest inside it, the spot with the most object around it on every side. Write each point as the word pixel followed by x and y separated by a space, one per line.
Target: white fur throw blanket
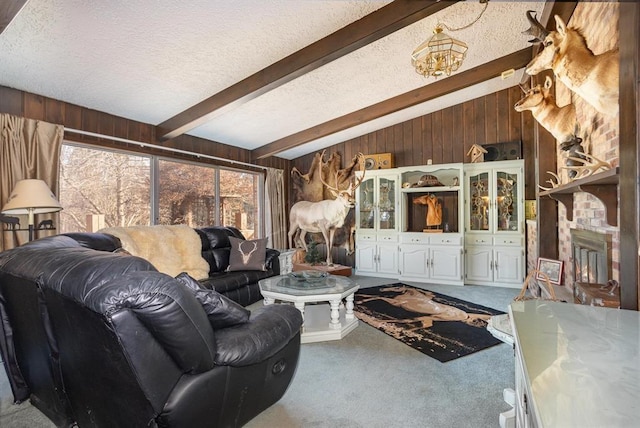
pixel 171 249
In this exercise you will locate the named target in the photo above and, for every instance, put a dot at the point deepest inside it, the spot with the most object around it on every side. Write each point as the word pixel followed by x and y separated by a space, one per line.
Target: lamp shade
pixel 31 196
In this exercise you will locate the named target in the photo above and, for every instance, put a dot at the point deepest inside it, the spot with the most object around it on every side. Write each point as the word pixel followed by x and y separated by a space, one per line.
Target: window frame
pixel 154 180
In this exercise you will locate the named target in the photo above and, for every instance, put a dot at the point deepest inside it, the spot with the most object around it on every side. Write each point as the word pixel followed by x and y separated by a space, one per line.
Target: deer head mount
pixel 325 216
pixel 593 77
pixel 559 121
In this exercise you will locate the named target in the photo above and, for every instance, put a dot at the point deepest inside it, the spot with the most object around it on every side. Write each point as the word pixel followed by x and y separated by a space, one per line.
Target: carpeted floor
pixel 369 379
pixel 440 326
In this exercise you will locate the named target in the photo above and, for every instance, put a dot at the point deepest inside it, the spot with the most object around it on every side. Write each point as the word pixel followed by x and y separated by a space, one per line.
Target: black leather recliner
pixel 103 339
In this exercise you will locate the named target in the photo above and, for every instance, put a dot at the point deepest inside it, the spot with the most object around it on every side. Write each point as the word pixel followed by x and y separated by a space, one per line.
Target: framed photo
pixel 552 268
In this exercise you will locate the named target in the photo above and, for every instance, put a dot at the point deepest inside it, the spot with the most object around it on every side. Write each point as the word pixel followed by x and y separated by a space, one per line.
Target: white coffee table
pixel 321 321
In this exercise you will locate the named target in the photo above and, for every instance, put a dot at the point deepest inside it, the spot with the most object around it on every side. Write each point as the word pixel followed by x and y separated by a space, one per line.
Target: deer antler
pixel 246 256
pixel 554 184
pixel 536 30
pixel 590 165
pixel 333 189
pixel 352 186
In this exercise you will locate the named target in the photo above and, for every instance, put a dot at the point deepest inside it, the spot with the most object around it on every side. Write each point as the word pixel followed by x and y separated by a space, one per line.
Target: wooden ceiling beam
pixel 8 10
pixel 420 95
pixel 366 30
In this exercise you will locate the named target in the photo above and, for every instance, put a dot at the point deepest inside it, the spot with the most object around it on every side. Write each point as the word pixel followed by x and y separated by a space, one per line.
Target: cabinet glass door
pixel 387 204
pixel 366 204
pixel 479 201
pixel 506 201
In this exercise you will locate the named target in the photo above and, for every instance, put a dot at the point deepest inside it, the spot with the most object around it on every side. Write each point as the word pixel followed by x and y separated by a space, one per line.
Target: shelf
pixel 430 189
pixel 602 185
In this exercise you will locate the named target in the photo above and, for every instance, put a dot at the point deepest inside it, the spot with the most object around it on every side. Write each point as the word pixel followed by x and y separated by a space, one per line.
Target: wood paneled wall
pixel 32 106
pixel 447 135
pixel 37 107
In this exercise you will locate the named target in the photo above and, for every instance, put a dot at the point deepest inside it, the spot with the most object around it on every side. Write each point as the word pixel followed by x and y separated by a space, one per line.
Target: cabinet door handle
pixel 491 265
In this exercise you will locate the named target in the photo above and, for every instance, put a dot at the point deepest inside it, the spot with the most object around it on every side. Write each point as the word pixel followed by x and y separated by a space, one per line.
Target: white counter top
pixel 581 363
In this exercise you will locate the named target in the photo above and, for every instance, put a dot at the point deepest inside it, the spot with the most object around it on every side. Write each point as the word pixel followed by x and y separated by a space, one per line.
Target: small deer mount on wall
pixel 559 121
pixel 593 77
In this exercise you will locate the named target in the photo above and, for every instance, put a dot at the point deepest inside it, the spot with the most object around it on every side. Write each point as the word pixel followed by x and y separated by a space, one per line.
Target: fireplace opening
pixel 591 252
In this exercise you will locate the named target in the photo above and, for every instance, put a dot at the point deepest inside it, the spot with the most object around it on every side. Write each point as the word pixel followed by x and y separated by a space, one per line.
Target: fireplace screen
pixel 591 256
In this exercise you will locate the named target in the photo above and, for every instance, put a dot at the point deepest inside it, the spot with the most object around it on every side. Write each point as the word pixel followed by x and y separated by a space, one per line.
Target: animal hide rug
pixel 172 249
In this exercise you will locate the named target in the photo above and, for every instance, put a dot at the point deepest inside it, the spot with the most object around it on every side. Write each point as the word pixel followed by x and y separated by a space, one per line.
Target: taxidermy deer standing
pixel 323 216
pixel 593 77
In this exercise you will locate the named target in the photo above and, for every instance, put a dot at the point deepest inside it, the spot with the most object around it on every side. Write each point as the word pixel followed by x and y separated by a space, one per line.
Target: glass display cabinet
pixel 377 203
pixel 493 200
pixel 494 223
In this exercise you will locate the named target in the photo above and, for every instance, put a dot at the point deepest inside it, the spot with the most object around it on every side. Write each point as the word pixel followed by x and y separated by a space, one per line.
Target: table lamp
pixel 31 197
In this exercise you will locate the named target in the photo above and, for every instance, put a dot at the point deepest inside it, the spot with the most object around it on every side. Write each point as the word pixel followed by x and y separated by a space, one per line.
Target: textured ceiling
pixel 148 60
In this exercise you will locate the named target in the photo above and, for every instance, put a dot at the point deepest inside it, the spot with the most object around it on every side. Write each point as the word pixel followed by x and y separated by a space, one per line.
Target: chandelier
pixel 441 54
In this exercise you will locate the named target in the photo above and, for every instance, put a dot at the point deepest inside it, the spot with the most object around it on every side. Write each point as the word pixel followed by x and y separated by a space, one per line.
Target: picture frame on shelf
pixel 552 268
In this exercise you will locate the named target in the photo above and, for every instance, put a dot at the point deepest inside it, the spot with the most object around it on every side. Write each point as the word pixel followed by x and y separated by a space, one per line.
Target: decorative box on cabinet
pixel 494 223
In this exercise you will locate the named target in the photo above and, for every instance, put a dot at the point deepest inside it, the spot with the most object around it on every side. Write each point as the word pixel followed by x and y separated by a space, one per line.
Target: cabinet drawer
pixel 414 238
pixel 513 241
pixel 445 239
pixel 478 240
pixel 387 238
pixel 365 236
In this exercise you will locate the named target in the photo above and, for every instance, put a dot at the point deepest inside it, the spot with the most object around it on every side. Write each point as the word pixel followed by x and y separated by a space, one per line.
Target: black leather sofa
pixel 240 286
pixel 101 339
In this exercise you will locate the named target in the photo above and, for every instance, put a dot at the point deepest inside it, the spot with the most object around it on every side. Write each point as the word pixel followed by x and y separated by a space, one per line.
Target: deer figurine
pixel 559 121
pixel 323 216
pixel 593 77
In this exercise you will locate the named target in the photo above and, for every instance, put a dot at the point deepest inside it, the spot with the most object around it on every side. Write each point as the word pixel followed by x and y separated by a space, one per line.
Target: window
pixel 239 201
pixel 102 188
pixel 186 194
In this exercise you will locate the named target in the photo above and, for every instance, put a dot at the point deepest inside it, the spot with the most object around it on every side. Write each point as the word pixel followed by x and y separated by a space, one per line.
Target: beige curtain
pixel 28 149
pixel 275 216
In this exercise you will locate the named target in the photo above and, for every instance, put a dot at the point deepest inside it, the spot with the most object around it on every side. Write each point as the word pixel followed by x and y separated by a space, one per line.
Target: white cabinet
pixel 494 265
pixel 377 208
pixel 376 257
pixel 494 223
pixel 431 258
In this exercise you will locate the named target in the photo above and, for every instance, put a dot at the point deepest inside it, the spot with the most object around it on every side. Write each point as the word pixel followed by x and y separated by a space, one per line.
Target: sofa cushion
pixel 247 254
pixel 172 249
pixel 221 311
pixel 224 282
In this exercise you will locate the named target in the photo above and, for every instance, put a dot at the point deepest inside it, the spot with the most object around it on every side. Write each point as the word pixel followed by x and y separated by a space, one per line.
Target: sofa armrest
pixel 272 260
pixel 269 329
pixel 96 241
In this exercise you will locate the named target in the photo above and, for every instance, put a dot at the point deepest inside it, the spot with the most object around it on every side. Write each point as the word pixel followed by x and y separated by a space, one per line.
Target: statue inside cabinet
pixel 434 212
